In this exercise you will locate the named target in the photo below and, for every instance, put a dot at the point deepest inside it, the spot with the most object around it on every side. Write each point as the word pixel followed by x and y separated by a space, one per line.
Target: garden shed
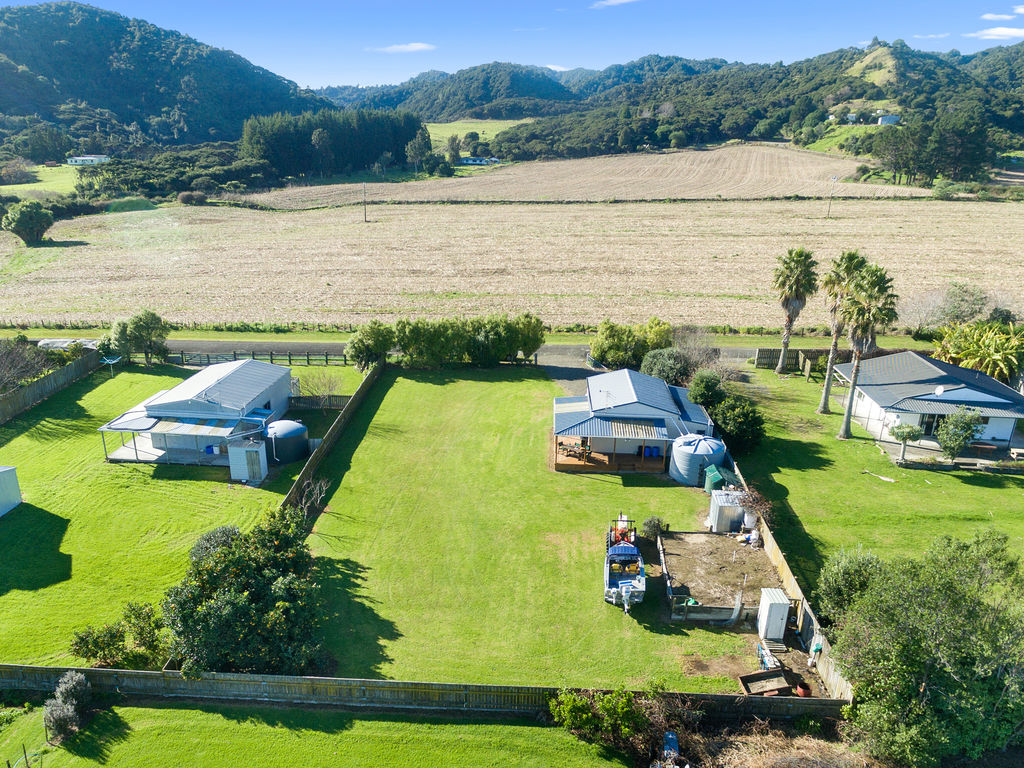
pixel 10 491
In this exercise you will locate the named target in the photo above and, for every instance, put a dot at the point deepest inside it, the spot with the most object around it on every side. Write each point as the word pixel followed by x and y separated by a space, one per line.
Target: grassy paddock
pixel 826 501
pixel 488 129
pixel 60 180
pixel 91 535
pixel 450 552
pixel 224 736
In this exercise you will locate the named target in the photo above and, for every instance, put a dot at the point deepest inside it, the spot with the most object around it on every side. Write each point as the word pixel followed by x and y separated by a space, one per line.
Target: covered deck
pixel 140 450
pixel 573 455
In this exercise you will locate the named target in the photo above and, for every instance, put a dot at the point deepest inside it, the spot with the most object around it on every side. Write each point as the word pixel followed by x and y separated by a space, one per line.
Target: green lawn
pixel 836 134
pixel 222 736
pixel 60 180
pixel 825 501
pixel 488 129
pixel 91 535
pixel 452 553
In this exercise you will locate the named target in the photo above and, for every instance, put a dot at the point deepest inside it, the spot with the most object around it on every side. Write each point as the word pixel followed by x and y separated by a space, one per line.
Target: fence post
pixel 252 355
pixel 289 357
pixel 344 359
pixel 326 361
pixel 207 358
pixel 271 357
pixel 307 357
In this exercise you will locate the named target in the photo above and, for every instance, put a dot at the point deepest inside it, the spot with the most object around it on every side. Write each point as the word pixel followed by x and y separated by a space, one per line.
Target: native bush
pixel 213 541
pixel 706 389
pixel 621 717
pixel 845 576
pixel 740 422
pixel 60 718
pixel 371 343
pixel 105 644
pixel 28 220
pixel 624 346
pixel 74 689
pixel 668 363
pixel 575 712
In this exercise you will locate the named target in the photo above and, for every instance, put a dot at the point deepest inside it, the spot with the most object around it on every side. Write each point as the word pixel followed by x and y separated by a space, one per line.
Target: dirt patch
pixel 713 567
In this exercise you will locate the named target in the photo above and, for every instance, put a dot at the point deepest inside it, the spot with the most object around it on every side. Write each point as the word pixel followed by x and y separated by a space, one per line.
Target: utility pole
pixel 364 202
pixel 831 192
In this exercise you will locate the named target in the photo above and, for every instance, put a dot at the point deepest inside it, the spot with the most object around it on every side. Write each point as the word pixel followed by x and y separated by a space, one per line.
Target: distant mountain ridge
pixel 159 84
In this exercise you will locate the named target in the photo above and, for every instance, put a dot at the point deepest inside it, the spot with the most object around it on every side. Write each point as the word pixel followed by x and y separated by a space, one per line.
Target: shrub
pixel 706 389
pixel 529 330
pixel 957 430
pixel 945 190
pixel 653 526
pixel 370 343
pixel 624 346
pixel 60 718
pixel 844 577
pixel 621 717
pixel 575 712
pixel 105 645
pixel 740 422
pixel 74 689
pixel 213 541
pixel 668 363
pixel 961 303
pixel 1002 315
pixel 187 198
pixel 144 625
pixel 28 220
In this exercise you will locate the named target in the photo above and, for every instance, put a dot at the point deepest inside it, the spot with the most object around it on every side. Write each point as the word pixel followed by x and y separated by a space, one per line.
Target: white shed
pixel 10 491
pixel 726 514
pixel 248 461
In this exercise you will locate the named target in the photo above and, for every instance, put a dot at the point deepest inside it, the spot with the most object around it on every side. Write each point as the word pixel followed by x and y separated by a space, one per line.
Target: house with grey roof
pixel 912 388
pixel 627 420
pixel 193 422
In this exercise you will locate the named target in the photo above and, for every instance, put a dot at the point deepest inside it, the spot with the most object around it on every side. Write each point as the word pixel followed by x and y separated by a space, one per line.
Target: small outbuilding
pixel 10 491
pixel 247 460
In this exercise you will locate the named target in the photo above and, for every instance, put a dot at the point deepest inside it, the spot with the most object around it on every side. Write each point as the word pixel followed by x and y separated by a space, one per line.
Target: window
pixel 930 423
pixel 266 406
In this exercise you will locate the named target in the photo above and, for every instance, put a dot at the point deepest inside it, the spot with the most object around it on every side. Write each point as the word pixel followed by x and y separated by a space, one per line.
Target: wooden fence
pixel 203 359
pixel 332 436
pixel 23 398
pixel 324 402
pixel 393 695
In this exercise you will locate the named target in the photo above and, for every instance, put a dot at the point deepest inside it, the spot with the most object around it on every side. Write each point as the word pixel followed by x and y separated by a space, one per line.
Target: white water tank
pixel 692 454
pixel 772 615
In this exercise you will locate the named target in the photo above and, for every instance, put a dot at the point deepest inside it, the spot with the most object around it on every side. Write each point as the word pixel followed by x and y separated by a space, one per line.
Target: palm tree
pixel 796 281
pixel 836 285
pixel 869 305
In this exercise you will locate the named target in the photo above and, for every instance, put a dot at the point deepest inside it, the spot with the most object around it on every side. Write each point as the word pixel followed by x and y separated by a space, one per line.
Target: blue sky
pixel 320 43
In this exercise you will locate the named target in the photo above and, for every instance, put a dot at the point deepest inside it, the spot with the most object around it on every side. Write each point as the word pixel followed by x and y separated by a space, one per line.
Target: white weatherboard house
pixel 625 416
pixel 193 422
pixel 88 159
pixel 912 388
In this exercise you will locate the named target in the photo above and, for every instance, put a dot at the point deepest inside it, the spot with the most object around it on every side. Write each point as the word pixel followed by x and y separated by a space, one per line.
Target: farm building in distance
pixel 194 422
pixel 888 119
pixel 912 388
pixel 627 420
pixel 88 159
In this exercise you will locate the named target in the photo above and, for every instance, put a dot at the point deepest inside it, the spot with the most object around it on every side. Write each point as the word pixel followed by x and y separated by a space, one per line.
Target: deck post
pixel 135 446
pixel 612 457
pixel 104 439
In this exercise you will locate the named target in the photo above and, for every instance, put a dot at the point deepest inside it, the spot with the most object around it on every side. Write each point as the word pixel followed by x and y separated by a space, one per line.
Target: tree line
pixel 328 141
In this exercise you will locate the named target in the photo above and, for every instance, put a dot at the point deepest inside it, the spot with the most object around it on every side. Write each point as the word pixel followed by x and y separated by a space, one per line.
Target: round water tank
pixel 692 454
pixel 289 441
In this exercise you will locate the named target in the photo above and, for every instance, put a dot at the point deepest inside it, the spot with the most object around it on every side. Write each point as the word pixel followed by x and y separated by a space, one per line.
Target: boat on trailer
pixel 625 581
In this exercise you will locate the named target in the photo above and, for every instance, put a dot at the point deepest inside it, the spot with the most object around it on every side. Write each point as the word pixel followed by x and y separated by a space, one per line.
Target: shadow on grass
pixel 354 632
pixel 95 741
pixel 988 480
pixel 60 243
pixel 30 556
pixel 803 551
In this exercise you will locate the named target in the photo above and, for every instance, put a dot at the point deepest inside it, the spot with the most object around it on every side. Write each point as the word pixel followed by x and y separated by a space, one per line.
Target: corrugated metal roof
pixel 650 430
pixel 689 411
pixel 571 405
pixel 946 407
pixel 625 387
pixel 232 385
pixel 905 378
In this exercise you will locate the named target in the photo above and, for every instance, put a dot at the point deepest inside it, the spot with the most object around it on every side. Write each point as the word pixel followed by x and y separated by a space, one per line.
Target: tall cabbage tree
pixel 836 284
pixel 869 305
pixel 796 281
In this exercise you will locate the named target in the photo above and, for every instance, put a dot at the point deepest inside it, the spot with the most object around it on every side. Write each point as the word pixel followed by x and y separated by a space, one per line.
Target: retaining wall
pixel 395 695
pixel 35 392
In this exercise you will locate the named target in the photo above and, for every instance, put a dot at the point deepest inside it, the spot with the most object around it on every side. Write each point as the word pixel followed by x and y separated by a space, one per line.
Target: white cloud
pixel 999 16
pixel 998 33
pixel 609 3
pixel 557 68
pixel 405 48
pixel 938 36
pixel 1018 9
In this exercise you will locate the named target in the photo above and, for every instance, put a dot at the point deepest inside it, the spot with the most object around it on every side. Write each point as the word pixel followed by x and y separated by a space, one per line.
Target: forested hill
pixel 81 68
pixel 661 101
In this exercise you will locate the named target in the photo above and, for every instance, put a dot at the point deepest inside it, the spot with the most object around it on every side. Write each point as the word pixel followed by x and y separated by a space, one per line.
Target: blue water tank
pixel 692 454
pixel 289 441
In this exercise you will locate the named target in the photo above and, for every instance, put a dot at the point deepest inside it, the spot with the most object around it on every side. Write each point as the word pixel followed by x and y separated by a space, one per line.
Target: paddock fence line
pixel 203 359
pixel 325 402
pixel 808 626
pixel 333 434
pixel 451 698
pixel 23 398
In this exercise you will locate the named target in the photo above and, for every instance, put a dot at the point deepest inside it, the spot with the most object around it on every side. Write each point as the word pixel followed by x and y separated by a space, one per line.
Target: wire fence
pixel 203 359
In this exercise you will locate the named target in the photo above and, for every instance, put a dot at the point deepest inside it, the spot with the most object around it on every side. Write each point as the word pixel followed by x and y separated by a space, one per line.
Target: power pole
pixel 364 202
pixel 831 192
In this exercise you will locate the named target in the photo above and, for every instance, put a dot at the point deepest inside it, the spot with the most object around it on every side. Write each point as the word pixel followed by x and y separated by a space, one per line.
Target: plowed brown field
pixel 732 172
pixel 703 262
